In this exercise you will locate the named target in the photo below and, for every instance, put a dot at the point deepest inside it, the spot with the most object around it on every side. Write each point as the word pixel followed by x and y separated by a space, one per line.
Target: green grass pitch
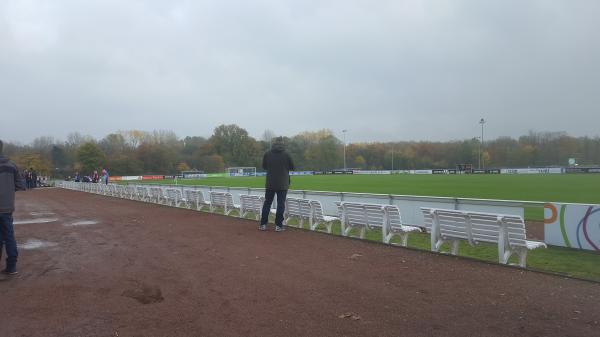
pixel 576 188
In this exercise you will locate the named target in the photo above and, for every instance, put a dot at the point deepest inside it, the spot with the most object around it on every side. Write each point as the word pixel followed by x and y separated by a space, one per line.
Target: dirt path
pixel 108 267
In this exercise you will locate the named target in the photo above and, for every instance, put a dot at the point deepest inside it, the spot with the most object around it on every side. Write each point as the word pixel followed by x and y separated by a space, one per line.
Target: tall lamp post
pixel 482 122
pixel 344 132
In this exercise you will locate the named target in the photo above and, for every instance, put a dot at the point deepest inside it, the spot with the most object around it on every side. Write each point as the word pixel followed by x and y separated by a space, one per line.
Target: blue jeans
pixel 269 196
pixel 7 237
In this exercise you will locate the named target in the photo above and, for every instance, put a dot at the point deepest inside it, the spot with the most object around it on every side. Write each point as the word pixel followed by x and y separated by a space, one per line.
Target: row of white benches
pixel 455 226
pixel 445 226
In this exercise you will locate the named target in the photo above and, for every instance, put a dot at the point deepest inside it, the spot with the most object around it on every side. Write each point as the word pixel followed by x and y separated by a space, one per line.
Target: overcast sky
pixel 384 70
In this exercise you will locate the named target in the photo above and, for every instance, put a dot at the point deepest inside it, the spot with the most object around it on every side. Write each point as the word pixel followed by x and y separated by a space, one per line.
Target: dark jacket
pixel 278 164
pixel 10 181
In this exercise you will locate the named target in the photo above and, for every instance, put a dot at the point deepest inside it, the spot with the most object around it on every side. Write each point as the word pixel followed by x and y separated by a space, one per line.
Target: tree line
pixel 135 152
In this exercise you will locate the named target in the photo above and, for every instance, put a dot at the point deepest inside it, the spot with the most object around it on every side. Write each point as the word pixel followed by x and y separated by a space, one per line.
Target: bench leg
pixel 346 230
pixel 454 244
pixel 362 232
pixel 523 258
pixel 404 239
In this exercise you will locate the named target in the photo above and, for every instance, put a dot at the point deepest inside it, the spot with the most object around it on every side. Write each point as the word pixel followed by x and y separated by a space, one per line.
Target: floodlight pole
pixel 392 160
pixel 344 132
pixel 482 122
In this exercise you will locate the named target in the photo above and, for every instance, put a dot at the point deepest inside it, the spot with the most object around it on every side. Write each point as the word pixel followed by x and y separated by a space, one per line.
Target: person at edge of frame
pixel 10 182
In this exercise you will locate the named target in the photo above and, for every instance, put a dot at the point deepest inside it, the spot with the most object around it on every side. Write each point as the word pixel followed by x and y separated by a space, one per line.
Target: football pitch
pixel 575 188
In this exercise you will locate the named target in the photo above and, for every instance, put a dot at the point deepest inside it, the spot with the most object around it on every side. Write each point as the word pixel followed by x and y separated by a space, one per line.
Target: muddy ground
pixel 97 266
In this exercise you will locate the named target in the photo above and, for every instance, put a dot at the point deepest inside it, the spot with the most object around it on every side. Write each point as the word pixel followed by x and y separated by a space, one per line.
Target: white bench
pixel 195 198
pixel 506 231
pixel 130 192
pixel 156 195
pixel 173 197
pixel 251 204
pixel 299 209
pixel 387 218
pixel 222 200
pixel 318 218
pixel 111 190
pixel 393 226
pixel 361 216
pixel 142 193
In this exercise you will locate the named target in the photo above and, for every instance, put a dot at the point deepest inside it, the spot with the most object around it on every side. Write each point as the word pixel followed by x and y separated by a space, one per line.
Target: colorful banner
pixel 572 225
pixel 153 177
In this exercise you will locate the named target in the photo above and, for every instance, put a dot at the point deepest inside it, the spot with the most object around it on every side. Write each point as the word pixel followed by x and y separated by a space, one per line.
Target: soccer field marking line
pixel 34 221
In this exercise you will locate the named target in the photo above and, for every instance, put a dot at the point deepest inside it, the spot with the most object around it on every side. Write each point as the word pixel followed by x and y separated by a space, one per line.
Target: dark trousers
pixel 7 237
pixel 269 196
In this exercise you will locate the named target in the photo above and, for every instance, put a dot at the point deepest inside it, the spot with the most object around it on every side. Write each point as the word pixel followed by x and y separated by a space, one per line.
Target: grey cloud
pixel 384 70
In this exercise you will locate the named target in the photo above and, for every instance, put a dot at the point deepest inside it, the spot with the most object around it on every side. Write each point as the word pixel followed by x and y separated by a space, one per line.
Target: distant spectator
pixel 33 178
pixel 28 179
pixel 24 179
pixel 77 177
pixel 10 181
pixel 105 176
pixel 278 164
pixel 95 177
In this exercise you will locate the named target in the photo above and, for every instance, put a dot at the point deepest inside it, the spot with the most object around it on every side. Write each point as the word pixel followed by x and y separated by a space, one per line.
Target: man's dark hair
pixel 1 146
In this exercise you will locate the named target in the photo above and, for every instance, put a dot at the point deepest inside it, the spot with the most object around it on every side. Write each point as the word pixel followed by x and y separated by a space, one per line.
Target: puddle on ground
pixel 41 213
pixel 36 244
pixel 32 221
pixel 81 223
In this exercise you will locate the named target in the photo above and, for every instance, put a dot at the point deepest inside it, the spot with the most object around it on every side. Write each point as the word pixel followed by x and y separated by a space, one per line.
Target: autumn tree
pixel 90 157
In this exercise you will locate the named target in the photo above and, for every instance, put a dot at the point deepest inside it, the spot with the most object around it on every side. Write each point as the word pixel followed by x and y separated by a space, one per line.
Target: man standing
pixel 278 164
pixel 10 181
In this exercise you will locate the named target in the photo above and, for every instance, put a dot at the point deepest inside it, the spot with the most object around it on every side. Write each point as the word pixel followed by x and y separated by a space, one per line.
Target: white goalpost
pixel 241 171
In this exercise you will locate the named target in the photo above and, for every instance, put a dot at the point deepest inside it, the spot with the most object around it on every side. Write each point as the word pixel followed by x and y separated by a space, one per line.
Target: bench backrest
pixel 297 207
pixel 156 192
pixel 195 196
pixel 428 217
pixel 394 218
pixel 359 214
pixel 453 224
pixel 515 230
pixel 317 210
pixel 130 190
pixel 221 199
pixel 252 203
pixel 477 226
pixel 142 191
pixel 174 194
